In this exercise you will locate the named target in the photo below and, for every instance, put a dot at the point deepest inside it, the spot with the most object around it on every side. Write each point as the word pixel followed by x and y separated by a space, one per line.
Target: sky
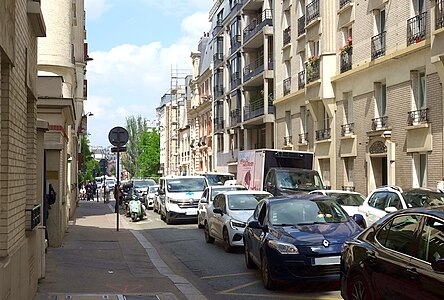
pixel 134 45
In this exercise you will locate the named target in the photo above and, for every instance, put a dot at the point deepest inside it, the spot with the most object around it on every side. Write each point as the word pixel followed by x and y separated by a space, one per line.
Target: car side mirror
pixel 390 209
pixel 359 219
pixel 218 211
pixel 255 225
pixel 438 265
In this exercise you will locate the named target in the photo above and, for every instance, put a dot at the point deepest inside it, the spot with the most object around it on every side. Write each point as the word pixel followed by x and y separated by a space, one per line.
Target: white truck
pixel 279 172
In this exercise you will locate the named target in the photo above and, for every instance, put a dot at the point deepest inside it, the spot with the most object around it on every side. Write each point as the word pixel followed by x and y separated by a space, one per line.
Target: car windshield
pixel 153 189
pixel 182 185
pixel 215 192
pixel 299 181
pixel 245 201
pixel 347 199
pixel 143 183
pixel 306 212
pixel 423 198
pixel 218 179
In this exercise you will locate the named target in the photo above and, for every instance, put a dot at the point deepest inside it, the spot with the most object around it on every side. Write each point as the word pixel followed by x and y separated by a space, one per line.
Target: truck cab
pixel 286 181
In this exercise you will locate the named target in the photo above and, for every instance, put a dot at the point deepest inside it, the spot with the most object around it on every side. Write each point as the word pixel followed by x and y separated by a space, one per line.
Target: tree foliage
pixel 135 127
pixel 149 159
pixel 90 167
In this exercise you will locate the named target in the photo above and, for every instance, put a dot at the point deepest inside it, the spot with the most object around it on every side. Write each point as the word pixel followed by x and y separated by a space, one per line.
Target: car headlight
pixel 283 248
pixel 237 224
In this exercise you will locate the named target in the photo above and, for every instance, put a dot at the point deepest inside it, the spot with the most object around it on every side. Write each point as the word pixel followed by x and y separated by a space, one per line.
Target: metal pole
pixel 117 189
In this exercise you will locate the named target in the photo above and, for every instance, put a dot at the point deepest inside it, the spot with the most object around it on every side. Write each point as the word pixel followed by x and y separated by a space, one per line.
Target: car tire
pixel 168 219
pixel 227 246
pixel 269 283
pixel 358 288
pixel 248 262
pixel 199 224
pixel 208 238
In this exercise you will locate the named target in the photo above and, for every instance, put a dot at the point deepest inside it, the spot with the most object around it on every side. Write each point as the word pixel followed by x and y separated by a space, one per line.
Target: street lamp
pixel 83 122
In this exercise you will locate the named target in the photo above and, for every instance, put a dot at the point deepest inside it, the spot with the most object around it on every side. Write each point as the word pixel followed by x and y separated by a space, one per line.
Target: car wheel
pixel 358 288
pixel 248 262
pixel 199 224
pixel 227 246
pixel 208 238
pixel 168 218
pixel 269 283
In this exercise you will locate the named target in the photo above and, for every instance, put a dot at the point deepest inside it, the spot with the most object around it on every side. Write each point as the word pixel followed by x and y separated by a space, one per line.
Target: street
pixel 215 273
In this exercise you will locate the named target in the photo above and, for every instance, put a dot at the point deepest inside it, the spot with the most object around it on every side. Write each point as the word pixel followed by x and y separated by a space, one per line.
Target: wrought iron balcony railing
pixel 418 117
pixel 346 60
pixel 256 24
pixel 378 45
pixel 342 3
pixel 301 79
pixel 347 129
pixel 235 116
pixel 254 68
pixel 286 36
pixel 312 11
pixel 301 25
pixel 235 80
pixel 287 140
pixel 323 134
pixel 416 28
pixel 219 90
pixel 379 123
pixel 218 59
pixel 218 123
pixel 287 86
pixel 439 14
pixel 303 138
pixel 235 43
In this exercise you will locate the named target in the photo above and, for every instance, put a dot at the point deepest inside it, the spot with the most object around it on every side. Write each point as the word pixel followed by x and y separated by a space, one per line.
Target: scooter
pixel 136 210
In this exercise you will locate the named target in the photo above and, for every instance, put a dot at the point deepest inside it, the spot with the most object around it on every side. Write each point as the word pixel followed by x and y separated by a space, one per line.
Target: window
pixel 393 200
pixel 398 234
pixel 381 99
pixel 420 170
pixel 421 96
pixel 431 241
pixel 349 164
pixel 287 123
pixel 380 20
pixel 304 119
pixel 377 200
pixel 348 108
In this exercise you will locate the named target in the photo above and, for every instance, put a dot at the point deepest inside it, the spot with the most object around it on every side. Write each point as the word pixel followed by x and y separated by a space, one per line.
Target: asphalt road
pixel 215 273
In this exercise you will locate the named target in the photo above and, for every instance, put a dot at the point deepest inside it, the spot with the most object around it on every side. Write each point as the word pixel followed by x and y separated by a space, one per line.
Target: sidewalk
pixel 98 262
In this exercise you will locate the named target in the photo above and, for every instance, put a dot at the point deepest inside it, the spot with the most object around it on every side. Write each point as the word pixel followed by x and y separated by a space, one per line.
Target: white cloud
pixel 96 8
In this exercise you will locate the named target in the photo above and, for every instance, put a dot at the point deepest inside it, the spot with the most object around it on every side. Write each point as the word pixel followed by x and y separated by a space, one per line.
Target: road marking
pixel 305 297
pixel 226 275
pixel 239 287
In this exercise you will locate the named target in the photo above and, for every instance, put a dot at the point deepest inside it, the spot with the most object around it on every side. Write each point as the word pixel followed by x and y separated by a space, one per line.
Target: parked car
pixel 389 199
pixel 298 238
pixel 350 201
pixel 400 256
pixel 141 186
pixel 151 195
pixel 207 198
pixel 227 216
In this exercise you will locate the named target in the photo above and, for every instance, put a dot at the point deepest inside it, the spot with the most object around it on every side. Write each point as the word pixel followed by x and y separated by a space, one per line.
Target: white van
pixel 179 197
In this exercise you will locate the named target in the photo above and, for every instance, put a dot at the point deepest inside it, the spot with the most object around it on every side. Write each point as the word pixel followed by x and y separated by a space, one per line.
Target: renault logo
pixel 325 243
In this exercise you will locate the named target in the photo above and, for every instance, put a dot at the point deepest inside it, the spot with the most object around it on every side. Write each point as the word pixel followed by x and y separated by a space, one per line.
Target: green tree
pixel 89 165
pixel 149 159
pixel 135 127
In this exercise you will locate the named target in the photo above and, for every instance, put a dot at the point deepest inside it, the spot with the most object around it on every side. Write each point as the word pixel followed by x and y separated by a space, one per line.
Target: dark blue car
pixel 297 238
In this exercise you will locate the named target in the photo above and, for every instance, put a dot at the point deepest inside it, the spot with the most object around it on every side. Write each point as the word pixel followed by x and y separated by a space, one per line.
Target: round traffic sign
pixel 118 136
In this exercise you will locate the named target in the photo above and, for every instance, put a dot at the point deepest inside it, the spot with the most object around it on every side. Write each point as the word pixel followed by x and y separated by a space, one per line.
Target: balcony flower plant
pixel 311 61
pixel 348 45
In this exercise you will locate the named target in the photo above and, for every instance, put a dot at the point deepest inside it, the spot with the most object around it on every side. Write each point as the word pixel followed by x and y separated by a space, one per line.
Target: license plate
pixel 191 213
pixel 330 260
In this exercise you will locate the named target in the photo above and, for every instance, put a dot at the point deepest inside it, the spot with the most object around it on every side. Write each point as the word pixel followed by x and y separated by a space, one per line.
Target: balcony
pixel 235 7
pixel 347 129
pixel 287 141
pixel 218 123
pixel 346 60
pixel 256 109
pixel 35 16
pixel 416 29
pixel 286 36
pixel 253 69
pixel 378 45
pixel 418 117
pixel 312 11
pixel 313 67
pixel 235 116
pixel 287 86
pixel 256 25
pixel 301 79
pixel 303 138
pixel 439 14
pixel 342 3
pixel 379 123
pixel 218 59
pixel 323 134
pixel 235 80
pixel 217 27
pixel 301 25
pixel 235 43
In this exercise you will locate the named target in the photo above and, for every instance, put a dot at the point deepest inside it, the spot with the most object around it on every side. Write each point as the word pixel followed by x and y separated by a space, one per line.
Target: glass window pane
pixel 431 242
pixel 398 234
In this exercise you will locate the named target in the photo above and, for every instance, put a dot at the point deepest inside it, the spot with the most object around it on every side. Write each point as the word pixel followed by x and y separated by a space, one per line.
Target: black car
pixel 401 256
pixel 297 238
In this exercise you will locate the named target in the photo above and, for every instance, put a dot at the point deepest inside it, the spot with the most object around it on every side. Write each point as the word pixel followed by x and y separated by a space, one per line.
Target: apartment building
pixel 360 84
pixel 243 111
pixel 200 112
pixel 62 59
pixel 22 248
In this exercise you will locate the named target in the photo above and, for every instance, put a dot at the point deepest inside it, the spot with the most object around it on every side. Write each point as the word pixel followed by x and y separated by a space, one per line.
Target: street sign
pixel 118 136
pixel 118 149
